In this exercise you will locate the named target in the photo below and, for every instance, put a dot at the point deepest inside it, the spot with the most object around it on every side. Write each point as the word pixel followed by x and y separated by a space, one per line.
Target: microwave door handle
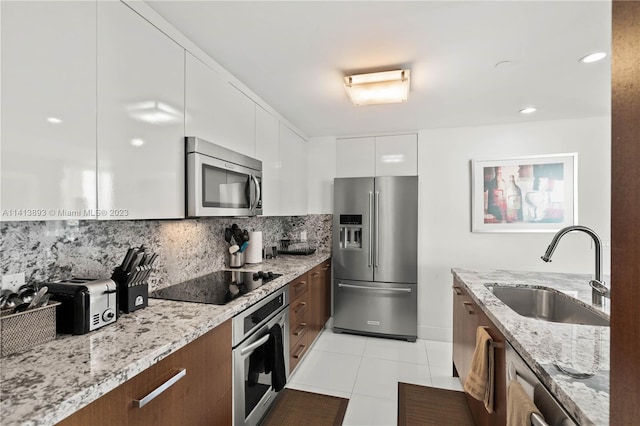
pixel 258 194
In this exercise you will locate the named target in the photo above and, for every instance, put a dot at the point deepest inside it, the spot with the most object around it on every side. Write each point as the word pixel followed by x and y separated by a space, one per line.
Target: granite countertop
pixel 545 345
pixel 51 381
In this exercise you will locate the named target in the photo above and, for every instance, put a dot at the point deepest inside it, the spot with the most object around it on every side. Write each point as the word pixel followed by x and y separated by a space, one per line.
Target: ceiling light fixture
pixel 378 88
pixel 529 110
pixel 54 120
pixel 594 57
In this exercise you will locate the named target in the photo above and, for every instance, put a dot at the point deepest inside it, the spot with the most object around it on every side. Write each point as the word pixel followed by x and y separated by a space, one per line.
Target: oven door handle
pixel 254 345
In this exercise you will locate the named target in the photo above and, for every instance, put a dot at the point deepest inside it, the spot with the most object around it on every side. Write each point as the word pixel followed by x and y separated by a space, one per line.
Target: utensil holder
pixel 24 330
pixel 131 297
pixel 236 260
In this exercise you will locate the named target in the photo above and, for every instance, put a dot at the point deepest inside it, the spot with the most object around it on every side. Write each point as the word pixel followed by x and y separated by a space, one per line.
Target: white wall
pixel 446 240
pixel 321 171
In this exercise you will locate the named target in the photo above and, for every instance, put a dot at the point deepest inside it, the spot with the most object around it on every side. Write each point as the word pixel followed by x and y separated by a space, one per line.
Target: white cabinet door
pixel 140 118
pixel 216 111
pixel 397 155
pixel 293 157
pixel 321 171
pixel 355 157
pixel 48 110
pixel 268 151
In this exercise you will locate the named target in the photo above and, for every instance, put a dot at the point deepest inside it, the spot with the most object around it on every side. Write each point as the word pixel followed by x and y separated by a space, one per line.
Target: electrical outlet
pixel 303 236
pixel 13 281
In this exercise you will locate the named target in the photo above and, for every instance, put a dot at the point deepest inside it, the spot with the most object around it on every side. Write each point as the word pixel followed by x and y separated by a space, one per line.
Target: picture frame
pixel 524 194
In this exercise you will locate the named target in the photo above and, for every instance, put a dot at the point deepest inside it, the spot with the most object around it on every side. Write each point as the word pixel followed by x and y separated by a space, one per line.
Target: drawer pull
pixel 301 283
pixel 300 351
pixel 300 308
pixel 469 307
pixel 315 274
pixel 301 330
pixel 457 290
pixel 139 403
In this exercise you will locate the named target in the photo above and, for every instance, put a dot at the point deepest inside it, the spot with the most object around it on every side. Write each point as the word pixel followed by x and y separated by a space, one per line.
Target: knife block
pixel 131 298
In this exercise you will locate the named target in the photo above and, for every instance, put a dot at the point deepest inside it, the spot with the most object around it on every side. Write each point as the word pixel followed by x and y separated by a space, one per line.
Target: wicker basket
pixel 24 330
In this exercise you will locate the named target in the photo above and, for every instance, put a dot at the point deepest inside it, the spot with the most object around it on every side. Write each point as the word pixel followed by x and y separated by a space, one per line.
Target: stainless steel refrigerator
pixel 375 260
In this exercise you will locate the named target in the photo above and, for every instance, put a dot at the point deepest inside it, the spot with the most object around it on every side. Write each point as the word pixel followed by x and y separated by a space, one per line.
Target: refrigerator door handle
pixel 377 217
pixel 370 229
pixel 364 287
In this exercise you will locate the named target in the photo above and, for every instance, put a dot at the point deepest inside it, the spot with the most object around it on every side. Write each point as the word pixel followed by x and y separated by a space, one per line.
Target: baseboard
pixel 435 333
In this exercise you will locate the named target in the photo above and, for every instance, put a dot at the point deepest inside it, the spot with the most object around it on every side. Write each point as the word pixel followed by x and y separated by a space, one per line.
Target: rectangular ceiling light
pixel 378 88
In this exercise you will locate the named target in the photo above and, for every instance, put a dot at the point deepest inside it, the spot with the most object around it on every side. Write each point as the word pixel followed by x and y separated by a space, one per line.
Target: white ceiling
pixel 294 55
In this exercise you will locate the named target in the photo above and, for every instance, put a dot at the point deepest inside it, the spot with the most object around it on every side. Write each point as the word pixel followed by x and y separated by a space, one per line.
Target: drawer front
pixel 299 329
pixel 298 308
pixel 298 287
pixel 297 352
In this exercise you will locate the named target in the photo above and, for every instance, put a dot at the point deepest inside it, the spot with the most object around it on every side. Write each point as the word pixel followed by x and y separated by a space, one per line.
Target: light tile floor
pixel 366 370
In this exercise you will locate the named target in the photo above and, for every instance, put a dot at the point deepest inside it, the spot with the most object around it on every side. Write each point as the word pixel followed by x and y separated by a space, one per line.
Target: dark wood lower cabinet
pixel 467 317
pixel 202 397
pixel 309 310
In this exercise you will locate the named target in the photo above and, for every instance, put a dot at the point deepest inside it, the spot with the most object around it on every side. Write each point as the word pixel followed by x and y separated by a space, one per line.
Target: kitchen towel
pixel 519 405
pixel 479 383
pixel 275 359
pixel 253 253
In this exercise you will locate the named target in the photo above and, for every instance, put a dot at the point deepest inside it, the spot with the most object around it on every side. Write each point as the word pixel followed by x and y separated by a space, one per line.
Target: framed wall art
pixel 524 194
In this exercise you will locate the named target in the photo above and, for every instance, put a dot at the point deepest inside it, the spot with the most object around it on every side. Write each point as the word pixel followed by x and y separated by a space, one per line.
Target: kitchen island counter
pixel 547 347
pixel 51 381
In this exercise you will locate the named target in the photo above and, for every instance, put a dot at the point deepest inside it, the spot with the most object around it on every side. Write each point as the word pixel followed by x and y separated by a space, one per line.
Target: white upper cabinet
pixel 355 157
pixel 140 118
pixel 216 111
pixel 320 172
pixel 48 140
pixel 268 151
pixel 397 155
pixel 293 173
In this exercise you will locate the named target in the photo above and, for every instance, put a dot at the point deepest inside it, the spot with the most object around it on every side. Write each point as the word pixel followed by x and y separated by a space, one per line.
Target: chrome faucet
pixel 598 289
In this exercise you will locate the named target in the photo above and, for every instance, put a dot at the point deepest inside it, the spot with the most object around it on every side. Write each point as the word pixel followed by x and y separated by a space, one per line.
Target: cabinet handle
pixel 300 351
pixel 301 307
pixel 301 330
pixel 139 403
pixel 315 274
pixel 457 290
pixel 469 307
pixel 299 284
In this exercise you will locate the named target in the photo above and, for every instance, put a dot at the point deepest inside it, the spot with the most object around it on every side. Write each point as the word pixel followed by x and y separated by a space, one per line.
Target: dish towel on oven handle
pixel 274 361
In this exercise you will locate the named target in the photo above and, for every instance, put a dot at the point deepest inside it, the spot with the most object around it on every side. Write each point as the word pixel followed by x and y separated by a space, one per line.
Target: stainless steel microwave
pixel 221 182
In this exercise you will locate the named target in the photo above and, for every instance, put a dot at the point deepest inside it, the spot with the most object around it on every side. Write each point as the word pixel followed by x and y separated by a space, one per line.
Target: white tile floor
pixel 366 370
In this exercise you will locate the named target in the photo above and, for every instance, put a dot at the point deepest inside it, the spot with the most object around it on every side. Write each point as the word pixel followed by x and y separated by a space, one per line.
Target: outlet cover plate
pixel 13 281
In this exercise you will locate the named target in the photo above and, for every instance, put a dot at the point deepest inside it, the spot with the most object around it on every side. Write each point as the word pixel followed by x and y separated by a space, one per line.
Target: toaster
pixel 85 304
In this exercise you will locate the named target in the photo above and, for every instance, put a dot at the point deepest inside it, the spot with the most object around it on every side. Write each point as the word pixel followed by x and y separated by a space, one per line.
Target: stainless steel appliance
pixel 375 261
pixel 551 410
pixel 86 304
pixel 221 182
pixel 217 288
pixel 253 390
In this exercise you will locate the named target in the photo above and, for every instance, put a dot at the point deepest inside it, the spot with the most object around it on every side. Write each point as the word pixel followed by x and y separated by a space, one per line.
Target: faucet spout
pixel 598 288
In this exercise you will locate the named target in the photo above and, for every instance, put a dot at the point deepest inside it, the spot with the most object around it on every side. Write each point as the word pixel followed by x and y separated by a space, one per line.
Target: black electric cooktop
pixel 217 288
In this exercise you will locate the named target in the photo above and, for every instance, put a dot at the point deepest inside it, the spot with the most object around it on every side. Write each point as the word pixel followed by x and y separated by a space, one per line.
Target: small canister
pixel 236 260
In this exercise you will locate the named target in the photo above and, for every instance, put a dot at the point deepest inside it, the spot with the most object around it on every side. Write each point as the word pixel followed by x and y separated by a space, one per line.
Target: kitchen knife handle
pixel 370 228
pixel 139 403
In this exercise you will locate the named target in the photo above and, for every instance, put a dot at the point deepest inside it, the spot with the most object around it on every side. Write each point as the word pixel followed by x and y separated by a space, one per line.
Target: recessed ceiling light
pixel 529 110
pixel 54 120
pixel 137 142
pixel 594 57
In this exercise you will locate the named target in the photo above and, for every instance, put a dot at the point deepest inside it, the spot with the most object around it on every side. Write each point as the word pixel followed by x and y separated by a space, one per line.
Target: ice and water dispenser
pixel 350 231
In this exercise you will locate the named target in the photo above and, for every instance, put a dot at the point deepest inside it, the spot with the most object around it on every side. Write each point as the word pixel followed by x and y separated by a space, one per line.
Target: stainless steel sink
pixel 547 305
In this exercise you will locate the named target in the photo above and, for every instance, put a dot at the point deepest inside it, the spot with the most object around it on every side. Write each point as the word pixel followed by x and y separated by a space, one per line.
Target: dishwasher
pixel 550 408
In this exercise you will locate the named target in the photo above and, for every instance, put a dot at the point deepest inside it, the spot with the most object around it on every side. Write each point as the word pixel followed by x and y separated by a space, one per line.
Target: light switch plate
pixel 303 236
pixel 13 281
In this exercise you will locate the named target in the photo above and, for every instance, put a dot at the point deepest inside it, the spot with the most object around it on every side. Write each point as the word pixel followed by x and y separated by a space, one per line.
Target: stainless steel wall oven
pixel 253 390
